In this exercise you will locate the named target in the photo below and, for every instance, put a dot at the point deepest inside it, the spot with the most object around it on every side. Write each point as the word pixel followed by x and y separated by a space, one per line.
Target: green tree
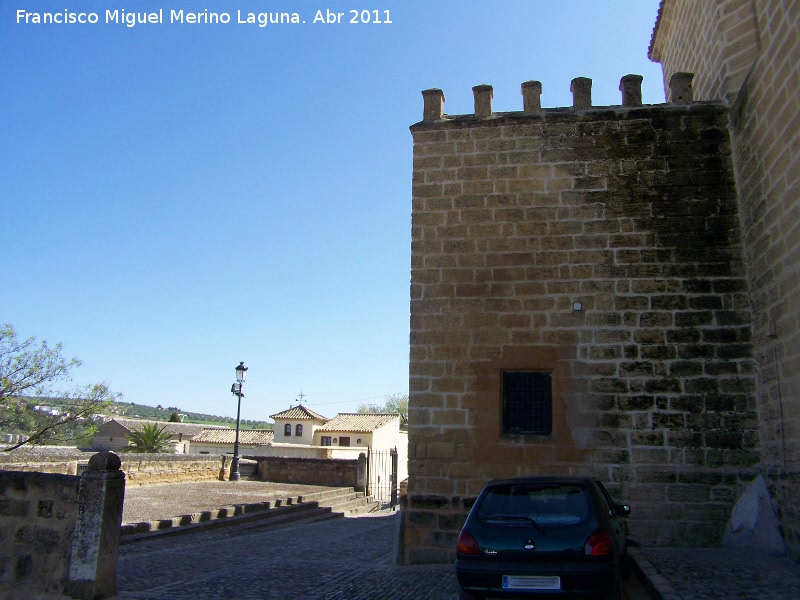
pixel 26 366
pixel 150 438
pixel 174 417
pixel 395 403
pixel 29 368
pixel 398 403
pixel 16 416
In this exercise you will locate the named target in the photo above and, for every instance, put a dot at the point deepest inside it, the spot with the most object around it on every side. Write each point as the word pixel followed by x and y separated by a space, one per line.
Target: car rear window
pixel 545 505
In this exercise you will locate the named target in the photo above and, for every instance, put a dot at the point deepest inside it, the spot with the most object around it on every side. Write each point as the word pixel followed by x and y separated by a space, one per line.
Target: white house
pixel 112 435
pixel 252 442
pixel 301 432
pixel 297 425
pixel 350 434
pixel 359 431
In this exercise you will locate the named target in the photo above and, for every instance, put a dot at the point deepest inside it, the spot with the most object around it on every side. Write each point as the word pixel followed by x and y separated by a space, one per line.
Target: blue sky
pixel 179 198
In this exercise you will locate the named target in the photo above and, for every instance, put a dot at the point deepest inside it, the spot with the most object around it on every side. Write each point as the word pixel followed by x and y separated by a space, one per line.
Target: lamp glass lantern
pixel 241 372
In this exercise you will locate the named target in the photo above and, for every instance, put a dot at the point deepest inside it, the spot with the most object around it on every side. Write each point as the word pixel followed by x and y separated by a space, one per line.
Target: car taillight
pixel 468 545
pixel 599 543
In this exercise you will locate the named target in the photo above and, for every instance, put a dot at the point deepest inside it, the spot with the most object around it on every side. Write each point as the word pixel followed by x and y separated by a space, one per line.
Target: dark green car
pixel 543 537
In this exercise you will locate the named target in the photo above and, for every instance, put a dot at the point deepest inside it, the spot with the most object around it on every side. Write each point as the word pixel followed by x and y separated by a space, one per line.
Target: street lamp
pixel 236 390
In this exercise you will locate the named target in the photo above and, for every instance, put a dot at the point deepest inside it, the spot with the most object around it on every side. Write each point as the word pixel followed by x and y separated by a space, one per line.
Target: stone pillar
pixel 581 88
pixel 263 471
pixel 680 88
pixel 631 88
pixel 531 97
pixel 483 100
pixel 95 539
pixel 433 104
pixel 361 474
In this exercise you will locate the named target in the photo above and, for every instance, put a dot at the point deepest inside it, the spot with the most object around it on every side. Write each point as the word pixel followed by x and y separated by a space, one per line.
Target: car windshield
pixel 543 505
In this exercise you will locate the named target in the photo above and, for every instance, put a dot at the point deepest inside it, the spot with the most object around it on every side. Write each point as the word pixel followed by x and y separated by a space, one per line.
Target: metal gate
pixel 382 482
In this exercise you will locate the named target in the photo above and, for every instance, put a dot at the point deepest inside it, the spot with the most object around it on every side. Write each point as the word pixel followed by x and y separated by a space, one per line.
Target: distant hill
pixel 28 415
pixel 18 424
pixel 161 413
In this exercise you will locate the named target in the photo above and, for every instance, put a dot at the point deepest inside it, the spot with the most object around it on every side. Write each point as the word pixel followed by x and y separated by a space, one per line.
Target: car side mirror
pixel 623 509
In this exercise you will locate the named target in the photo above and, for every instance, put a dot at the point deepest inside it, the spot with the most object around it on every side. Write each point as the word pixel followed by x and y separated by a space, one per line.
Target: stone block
pixel 581 88
pixel 647 438
pixel 741 458
pixel 451 522
pixel 427 501
pixel 656 475
pixel 14 508
pixel 688 493
pixel 420 518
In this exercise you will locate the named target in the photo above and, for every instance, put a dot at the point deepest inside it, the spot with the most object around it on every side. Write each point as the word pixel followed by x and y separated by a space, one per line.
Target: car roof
pixel 574 479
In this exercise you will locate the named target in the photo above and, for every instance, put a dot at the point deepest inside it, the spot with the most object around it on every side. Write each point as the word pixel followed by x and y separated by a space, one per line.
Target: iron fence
pixel 382 482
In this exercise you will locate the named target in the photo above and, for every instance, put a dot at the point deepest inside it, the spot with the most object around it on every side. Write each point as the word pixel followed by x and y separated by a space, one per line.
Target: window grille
pixel 527 403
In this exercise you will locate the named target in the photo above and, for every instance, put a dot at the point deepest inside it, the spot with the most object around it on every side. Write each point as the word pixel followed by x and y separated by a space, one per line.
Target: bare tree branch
pixel 24 367
pixel 28 368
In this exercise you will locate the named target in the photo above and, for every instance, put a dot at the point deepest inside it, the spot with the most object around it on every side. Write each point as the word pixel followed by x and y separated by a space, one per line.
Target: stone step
pixel 351 504
pixel 319 505
pixel 325 495
pixel 234 515
pixel 363 509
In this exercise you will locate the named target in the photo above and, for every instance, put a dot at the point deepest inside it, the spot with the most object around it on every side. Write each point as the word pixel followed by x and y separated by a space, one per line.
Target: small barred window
pixel 527 403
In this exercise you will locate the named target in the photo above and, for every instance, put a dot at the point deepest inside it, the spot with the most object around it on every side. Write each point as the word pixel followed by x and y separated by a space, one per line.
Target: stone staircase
pixel 343 502
pixel 336 502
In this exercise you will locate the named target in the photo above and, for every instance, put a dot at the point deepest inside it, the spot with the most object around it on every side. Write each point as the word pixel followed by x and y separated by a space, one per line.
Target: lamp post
pixel 236 390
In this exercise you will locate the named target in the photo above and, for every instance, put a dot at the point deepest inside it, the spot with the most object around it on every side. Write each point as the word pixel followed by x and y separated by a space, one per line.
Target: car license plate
pixel 531 582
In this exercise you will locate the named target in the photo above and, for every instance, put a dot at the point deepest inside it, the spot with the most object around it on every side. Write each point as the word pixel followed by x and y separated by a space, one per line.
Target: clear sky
pixel 176 198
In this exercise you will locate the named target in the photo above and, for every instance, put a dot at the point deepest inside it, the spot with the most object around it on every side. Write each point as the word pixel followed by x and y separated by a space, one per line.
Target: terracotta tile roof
pixel 655 29
pixel 359 422
pixel 255 437
pixel 188 429
pixel 298 413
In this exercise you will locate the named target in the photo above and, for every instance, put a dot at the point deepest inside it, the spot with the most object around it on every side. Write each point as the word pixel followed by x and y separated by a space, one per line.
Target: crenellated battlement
pixel 680 92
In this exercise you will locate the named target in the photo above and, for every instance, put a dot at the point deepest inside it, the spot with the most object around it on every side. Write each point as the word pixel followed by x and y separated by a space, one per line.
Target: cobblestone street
pixel 335 558
pixel 719 574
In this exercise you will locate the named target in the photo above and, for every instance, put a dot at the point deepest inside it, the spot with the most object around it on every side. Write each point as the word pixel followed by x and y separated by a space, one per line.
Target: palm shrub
pixel 150 438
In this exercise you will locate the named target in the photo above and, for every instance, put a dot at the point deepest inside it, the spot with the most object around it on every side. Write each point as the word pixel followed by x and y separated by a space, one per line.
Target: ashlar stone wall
pixel 717 40
pixel 60 533
pixel 140 469
pixel 766 136
pixel 151 469
pixel 763 40
pixel 601 245
pixel 309 471
pixel 37 518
